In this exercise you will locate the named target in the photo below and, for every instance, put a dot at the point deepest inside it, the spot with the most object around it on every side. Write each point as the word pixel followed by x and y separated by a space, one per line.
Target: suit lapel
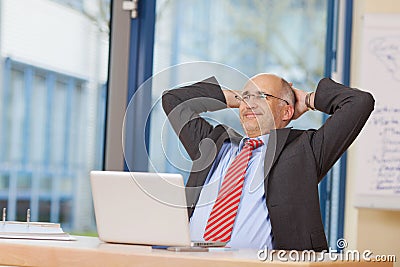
pixel 276 142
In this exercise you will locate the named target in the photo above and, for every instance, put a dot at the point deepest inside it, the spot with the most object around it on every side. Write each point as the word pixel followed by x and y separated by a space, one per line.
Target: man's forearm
pixel 350 109
pixel 183 106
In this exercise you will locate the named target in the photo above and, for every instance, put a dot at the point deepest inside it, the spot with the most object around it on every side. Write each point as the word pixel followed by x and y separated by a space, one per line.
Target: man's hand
pixel 231 100
pixel 300 106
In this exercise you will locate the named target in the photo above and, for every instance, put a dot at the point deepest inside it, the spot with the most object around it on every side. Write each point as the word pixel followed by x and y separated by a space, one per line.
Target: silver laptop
pixel 142 208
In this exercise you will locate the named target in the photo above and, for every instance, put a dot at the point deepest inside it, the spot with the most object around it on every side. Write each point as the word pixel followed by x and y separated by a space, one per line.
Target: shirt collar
pixel 263 138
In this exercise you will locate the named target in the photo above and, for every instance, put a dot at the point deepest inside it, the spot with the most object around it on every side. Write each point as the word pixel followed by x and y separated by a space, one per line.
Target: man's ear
pixel 288 112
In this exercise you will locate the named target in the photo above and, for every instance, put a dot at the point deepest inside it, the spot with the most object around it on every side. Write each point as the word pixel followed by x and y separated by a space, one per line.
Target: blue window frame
pixel 333 187
pixel 140 69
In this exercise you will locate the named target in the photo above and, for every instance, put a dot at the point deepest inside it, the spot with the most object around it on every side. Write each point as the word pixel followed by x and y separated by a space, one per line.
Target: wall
pixel 376 230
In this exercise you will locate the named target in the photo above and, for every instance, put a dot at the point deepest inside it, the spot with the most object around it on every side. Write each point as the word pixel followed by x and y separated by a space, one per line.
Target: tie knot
pixel 253 143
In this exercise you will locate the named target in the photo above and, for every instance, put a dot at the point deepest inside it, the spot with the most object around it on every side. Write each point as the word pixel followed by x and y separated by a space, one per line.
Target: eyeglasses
pixel 258 97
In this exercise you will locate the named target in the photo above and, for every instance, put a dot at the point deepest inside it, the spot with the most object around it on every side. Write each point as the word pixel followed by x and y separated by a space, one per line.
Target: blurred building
pixel 54 62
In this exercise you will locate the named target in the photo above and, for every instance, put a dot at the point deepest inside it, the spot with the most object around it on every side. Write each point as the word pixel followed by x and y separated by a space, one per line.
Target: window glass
pixel 58 124
pixel 37 136
pixel 4 183
pixel 45 184
pixel 15 116
pixel 54 65
pixel 65 211
pixel 44 210
pixel 23 205
pixel 285 37
pixel 24 182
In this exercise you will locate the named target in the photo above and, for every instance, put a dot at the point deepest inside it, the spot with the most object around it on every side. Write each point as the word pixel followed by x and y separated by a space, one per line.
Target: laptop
pixel 142 208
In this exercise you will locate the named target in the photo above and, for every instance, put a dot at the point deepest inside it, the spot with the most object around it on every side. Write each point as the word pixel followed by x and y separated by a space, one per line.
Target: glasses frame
pixel 262 96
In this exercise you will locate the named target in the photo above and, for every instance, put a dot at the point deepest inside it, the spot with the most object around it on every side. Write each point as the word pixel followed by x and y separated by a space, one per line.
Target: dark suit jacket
pixel 295 162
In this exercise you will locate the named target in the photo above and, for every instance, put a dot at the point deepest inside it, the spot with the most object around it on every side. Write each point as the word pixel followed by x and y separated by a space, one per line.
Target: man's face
pixel 259 115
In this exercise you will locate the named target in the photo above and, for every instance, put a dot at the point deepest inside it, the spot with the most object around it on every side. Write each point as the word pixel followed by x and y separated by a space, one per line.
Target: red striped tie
pixel 220 224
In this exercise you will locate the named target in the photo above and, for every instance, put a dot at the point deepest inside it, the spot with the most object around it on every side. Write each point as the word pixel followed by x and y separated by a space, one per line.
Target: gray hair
pixel 287 92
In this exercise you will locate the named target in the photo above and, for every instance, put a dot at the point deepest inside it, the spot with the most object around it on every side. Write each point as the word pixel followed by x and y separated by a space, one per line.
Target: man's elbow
pixel 368 101
pixel 167 102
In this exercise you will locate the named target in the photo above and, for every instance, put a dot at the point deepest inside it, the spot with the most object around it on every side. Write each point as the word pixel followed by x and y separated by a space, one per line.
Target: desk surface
pixel 90 251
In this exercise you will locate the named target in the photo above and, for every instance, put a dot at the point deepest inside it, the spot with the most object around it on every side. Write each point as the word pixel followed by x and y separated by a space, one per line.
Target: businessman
pixel 261 190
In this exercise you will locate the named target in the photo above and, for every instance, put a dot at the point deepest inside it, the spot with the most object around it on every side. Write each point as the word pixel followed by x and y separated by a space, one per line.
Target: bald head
pixel 274 85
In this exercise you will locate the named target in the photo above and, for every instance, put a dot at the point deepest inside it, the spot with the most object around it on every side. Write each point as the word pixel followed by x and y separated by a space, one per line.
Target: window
pixel 286 37
pixel 283 37
pixel 44 116
pixel 54 64
pixel 76 4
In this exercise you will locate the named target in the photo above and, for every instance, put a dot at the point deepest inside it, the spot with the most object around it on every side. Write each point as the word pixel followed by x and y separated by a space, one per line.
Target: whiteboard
pixel 378 147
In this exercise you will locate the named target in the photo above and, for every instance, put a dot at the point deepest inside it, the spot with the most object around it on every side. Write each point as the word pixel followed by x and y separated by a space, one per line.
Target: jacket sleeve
pixel 183 106
pixel 349 109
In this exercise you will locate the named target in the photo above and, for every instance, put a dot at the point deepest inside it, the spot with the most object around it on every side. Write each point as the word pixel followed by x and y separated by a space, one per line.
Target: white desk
pixel 90 251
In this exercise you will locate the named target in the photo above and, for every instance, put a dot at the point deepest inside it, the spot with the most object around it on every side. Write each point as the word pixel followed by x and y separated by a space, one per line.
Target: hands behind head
pixel 299 108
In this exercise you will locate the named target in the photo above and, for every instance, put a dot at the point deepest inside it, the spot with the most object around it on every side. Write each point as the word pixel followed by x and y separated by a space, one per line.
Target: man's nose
pixel 251 103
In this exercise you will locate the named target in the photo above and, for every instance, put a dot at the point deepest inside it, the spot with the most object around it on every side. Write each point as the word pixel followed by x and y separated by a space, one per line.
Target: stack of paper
pixel 33 230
